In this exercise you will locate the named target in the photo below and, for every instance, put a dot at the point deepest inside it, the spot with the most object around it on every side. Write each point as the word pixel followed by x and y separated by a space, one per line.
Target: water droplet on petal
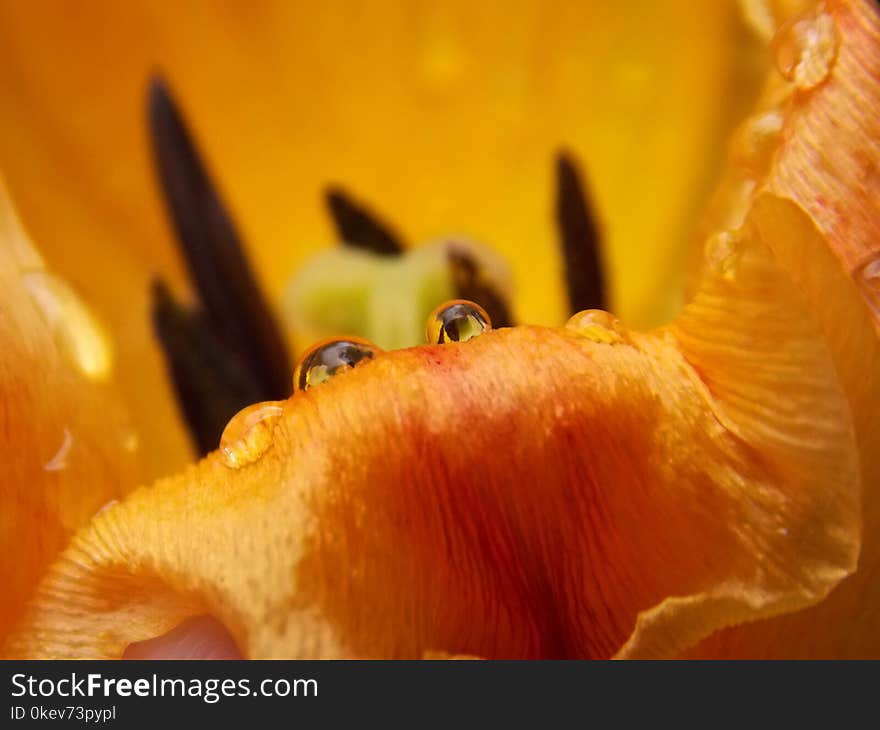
pixel 805 47
pixel 248 434
pixel 722 252
pixel 755 142
pixel 457 321
pixel 868 279
pixel 330 358
pixel 598 326
pixel 73 326
pixel 59 461
pixel 106 506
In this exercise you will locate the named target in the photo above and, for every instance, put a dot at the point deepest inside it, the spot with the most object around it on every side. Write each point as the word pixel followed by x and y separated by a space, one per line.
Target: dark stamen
pixel 211 382
pixel 470 284
pixel 359 227
pixel 580 239
pixel 235 310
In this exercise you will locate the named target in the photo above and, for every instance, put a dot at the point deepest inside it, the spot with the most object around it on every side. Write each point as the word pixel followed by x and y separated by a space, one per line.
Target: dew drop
pixel 131 442
pixel 868 279
pixel 331 357
pixel 598 326
pixel 76 332
pixel 805 47
pixel 106 506
pixel 722 252
pixel 457 321
pixel 755 142
pixel 59 461
pixel 248 434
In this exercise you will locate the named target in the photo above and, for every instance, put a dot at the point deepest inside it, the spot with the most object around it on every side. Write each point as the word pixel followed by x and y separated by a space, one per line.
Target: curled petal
pixel 818 208
pixel 560 497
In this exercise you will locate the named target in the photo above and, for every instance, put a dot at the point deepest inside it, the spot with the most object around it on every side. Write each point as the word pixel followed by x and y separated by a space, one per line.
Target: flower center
pixel 228 351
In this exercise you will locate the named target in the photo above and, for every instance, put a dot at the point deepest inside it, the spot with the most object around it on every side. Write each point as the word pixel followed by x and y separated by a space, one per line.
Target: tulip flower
pixel 699 481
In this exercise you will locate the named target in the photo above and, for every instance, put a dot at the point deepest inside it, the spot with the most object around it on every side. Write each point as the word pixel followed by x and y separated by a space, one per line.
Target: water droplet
pixel 805 47
pixel 248 434
pixel 330 358
pixel 131 442
pixel 76 332
pixel 722 252
pixel 755 142
pixel 868 279
pixel 106 506
pixel 59 461
pixel 457 321
pixel 598 326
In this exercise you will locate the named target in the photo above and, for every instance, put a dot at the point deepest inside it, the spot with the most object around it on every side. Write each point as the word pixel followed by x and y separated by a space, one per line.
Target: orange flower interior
pixel 445 113
pixel 587 491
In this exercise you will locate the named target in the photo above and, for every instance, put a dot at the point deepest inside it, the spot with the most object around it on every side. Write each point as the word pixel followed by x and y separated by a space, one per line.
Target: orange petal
pixel 559 497
pixel 68 447
pixel 826 235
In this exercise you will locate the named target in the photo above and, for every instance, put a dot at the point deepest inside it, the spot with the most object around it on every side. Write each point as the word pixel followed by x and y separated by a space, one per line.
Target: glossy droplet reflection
pixel 59 460
pixel 330 358
pixel 106 506
pixel 755 142
pixel 76 332
pixel 722 252
pixel 131 442
pixel 457 321
pixel 248 434
pixel 805 47
pixel 598 326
